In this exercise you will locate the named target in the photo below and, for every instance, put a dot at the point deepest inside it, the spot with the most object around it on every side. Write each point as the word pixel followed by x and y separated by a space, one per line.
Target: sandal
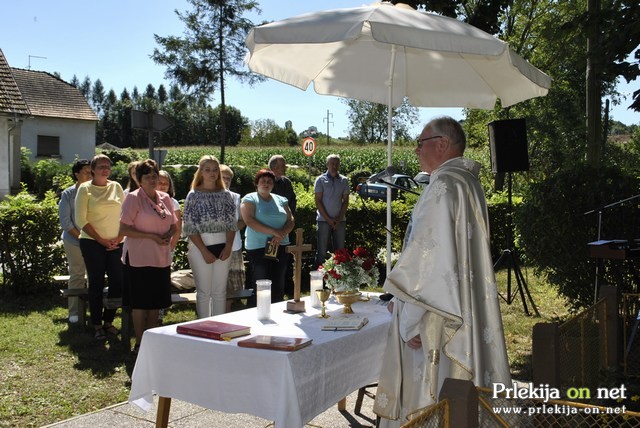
pixel 112 330
pixel 100 334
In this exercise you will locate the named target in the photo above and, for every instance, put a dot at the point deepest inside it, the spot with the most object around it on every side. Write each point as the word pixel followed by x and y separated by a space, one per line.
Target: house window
pixel 48 146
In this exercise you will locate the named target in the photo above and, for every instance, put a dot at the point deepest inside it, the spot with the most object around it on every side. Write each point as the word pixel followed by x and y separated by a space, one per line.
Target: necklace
pixel 159 208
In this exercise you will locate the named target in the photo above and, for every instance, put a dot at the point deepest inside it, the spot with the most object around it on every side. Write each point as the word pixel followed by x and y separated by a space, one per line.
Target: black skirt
pixel 149 287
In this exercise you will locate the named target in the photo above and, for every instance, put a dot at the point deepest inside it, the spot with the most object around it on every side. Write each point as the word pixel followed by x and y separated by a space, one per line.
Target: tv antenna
pixel 34 56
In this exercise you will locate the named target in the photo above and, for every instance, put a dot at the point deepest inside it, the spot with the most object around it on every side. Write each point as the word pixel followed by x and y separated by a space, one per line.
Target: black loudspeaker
pixel 508 144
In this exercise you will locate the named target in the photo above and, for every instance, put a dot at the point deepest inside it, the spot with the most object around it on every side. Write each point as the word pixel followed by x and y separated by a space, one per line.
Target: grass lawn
pixel 50 372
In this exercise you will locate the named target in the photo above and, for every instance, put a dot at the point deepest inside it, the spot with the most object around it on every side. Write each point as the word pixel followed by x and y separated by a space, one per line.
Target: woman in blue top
pixel 268 219
pixel 209 221
pixel 81 172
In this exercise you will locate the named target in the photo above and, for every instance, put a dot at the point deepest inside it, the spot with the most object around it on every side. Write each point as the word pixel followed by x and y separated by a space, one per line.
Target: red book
pixel 213 330
pixel 279 343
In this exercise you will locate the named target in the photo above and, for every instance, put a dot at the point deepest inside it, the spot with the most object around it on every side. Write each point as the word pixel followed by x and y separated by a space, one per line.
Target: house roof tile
pixel 48 96
pixel 11 100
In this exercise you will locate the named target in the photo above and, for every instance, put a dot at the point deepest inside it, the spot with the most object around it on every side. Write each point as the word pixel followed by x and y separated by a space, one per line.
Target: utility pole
pixel 329 115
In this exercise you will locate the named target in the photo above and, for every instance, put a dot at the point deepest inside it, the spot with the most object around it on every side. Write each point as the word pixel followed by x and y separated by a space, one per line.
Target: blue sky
pixel 112 40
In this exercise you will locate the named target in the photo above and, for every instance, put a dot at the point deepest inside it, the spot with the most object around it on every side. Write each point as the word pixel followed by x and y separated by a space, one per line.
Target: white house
pixel 13 111
pixel 44 114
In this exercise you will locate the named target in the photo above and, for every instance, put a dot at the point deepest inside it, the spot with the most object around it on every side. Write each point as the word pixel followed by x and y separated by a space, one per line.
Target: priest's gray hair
pixel 450 128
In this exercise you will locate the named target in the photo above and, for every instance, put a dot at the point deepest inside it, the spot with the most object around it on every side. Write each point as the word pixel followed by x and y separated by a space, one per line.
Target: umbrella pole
pixel 389 142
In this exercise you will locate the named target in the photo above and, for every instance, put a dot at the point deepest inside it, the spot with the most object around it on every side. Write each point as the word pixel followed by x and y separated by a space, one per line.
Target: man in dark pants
pixel 284 187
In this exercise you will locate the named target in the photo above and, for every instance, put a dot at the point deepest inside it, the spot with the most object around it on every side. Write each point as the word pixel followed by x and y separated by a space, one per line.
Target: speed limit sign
pixel 309 146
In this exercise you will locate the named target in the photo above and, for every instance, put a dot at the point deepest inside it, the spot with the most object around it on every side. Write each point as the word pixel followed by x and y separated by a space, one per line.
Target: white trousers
pixel 211 283
pixel 77 271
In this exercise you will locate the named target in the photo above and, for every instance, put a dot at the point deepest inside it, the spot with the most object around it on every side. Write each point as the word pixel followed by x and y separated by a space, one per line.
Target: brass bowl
pixel 347 299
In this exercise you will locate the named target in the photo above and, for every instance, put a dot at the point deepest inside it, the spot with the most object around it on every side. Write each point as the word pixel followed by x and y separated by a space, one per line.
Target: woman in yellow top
pixel 98 205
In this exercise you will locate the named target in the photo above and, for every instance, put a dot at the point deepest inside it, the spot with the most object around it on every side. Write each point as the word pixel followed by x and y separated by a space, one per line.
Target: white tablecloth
pixel 289 388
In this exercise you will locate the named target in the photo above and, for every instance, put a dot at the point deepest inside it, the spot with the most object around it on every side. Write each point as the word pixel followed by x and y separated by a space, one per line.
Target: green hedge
pixel 366 227
pixel 30 251
pixel 366 219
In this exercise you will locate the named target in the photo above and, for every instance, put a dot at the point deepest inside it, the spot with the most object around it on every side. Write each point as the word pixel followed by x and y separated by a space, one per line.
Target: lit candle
pixel 263 291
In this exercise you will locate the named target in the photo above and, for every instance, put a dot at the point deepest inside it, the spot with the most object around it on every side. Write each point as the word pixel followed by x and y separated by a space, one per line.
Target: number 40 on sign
pixel 309 146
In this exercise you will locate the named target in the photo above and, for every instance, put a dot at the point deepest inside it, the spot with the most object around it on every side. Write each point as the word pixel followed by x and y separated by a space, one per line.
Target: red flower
pixel 361 252
pixel 342 255
pixel 367 264
pixel 334 274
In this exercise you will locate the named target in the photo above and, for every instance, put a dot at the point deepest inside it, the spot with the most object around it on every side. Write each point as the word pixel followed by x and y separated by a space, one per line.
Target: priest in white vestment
pixel 446 315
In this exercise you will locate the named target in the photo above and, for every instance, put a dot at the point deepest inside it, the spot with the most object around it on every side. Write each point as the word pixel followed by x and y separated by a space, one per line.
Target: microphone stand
pixel 396 186
pixel 599 210
pixel 385 297
pixel 364 205
pixel 612 205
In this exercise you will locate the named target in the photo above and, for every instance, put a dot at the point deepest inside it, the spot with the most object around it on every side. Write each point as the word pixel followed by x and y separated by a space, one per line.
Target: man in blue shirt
pixel 332 199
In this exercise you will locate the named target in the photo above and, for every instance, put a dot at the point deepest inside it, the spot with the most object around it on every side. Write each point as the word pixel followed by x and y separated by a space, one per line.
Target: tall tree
pixel 135 96
pixel 291 137
pixel 150 92
pixel 162 94
pixel 368 121
pixel 97 96
pixel 266 132
pixel 483 14
pixel 125 95
pixel 612 35
pixel 85 87
pixel 235 123
pixel 108 127
pixel 212 47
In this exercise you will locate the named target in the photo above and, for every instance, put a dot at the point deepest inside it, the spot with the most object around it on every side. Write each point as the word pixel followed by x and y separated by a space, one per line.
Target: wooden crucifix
pixel 296 305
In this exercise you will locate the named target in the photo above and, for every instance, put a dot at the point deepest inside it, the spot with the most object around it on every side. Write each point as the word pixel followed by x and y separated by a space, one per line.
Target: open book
pixel 345 323
pixel 279 343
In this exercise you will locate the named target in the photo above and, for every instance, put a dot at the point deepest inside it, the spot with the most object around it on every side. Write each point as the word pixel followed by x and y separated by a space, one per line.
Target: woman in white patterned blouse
pixel 210 223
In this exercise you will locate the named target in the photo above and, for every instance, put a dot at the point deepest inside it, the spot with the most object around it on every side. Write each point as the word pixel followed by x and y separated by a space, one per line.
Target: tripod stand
pixel 509 258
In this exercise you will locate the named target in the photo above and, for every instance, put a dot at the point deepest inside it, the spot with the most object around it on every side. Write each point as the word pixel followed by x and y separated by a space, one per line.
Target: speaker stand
pixel 509 258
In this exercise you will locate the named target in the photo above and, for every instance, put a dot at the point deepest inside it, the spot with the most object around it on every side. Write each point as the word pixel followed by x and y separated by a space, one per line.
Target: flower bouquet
pixel 346 272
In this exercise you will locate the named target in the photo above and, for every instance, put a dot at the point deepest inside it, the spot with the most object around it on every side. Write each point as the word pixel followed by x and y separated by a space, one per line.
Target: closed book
pixel 279 343
pixel 345 323
pixel 213 330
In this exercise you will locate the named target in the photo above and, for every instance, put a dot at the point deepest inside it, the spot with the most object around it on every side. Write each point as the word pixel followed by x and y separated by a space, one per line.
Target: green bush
pixel 498 206
pixel 43 175
pixel 180 260
pixel 125 156
pixel 554 230
pixel 303 175
pixel 30 252
pixel 27 176
pixel 355 177
pixel 182 176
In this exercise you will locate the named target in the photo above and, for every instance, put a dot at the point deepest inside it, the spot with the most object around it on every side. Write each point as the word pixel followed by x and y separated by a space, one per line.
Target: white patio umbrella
pixel 432 60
